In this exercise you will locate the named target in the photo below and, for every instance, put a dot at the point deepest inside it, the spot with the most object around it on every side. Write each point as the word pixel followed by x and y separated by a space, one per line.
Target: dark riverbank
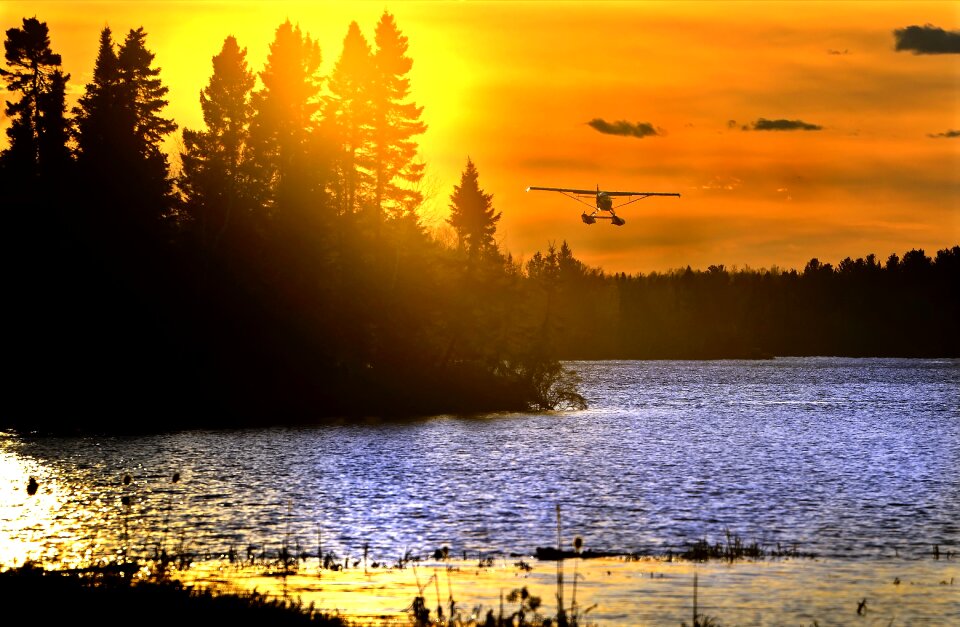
pixel 60 597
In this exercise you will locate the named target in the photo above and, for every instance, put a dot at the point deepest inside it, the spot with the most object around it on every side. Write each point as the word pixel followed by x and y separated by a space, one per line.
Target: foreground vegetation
pixel 59 597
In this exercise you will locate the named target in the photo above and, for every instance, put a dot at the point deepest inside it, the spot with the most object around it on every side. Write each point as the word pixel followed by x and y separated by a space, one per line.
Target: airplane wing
pixel 593 192
pixel 590 192
pixel 640 193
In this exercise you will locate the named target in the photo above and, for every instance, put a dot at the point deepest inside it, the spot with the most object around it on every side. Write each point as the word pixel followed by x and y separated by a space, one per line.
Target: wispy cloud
pixel 624 128
pixel 764 124
pixel 946 134
pixel 928 39
pixel 722 183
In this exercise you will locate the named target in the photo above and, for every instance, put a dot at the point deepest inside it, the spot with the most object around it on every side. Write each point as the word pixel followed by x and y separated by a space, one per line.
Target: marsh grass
pixel 736 549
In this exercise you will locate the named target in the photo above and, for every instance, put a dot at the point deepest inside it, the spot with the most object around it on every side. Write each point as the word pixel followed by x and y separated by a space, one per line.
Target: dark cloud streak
pixel 624 128
pixel 764 124
pixel 946 134
pixel 927 39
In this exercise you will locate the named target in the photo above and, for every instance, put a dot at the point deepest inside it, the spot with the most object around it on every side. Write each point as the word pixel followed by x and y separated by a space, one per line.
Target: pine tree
pixel 54 154
pixel 38 133
pixel 214 177
pixel 283 138
pixel 143 95
pixel 120 130
pixel 472 215
pixel 395 123
pixel 348 112
pixel 100 127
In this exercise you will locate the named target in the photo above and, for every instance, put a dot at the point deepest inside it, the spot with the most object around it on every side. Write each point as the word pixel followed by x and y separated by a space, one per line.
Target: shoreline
pixel 610 590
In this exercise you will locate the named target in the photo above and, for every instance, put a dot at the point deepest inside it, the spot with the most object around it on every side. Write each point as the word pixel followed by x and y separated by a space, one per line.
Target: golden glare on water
pixel 614 591
pixel 70 524
pixel 26 521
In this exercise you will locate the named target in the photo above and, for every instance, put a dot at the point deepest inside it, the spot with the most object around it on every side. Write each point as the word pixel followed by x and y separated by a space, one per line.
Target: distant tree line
pixel 905 307
pixel 280 275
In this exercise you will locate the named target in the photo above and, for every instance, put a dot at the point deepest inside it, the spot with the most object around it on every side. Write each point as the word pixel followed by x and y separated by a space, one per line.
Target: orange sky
pixel 513 85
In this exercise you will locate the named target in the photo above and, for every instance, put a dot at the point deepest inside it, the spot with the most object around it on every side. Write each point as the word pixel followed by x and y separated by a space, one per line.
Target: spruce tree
pixel 282 131
pixel 348 113
pixel 53 152
pixel 120 131
pixel 38 133
pixel 214 177
pixel 472 215
pixel 395 123
pixel 143 94
pixel 99 115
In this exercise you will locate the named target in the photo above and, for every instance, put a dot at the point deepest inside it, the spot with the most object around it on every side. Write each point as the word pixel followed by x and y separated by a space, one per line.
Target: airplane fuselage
pixel 604 202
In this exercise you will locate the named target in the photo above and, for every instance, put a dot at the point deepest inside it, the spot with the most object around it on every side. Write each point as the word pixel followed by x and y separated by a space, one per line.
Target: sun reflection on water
pixel 77 521
pixel 617 591
pixel 26 521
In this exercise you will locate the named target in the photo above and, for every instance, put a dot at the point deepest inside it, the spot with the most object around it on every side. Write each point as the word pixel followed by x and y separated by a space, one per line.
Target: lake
pixel 854 460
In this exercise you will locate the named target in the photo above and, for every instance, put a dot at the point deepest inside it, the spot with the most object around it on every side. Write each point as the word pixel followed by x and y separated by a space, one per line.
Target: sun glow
pixel 513 85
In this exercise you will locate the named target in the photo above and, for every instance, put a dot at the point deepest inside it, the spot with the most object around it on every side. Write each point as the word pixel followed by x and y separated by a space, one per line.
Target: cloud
pixel 622 127
pixel 540 162
pixel 838 52
pixel 927 39
pixel 722 183
pixel 764 124
pixel 948 134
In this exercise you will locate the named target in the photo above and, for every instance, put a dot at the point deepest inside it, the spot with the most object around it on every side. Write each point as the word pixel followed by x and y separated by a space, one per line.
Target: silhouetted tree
pixel 143 93
pixel 285 147
pixel 215 174
pixel 55 157
pixel 348 112
pixel 120 131
pixel 472 215
pixel 100 121
pixel 395 122
pixel 303 312
pixel 39 129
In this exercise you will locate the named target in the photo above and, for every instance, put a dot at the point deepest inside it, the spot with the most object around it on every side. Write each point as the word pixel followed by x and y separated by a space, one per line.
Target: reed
pixel 561 614
pixel 700 619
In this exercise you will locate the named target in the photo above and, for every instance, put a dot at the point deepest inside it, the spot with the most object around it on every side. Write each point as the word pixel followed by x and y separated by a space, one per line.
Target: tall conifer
pixel 38 132
pixel 348 112
pixel 120 130
pixel 99 114
pixel 395 123
pixel 282 131
pixel 214 177
pixel 53 151
pixel 472 215
pixel 143 95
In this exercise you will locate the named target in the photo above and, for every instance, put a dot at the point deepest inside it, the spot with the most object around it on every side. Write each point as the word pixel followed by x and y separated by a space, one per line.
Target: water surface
pixel 856 460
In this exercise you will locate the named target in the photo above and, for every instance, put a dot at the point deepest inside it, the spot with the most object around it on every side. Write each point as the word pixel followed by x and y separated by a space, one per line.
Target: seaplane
pixel 603 201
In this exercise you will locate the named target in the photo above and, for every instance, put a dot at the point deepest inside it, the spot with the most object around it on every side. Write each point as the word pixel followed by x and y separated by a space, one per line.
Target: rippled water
pixel 852 459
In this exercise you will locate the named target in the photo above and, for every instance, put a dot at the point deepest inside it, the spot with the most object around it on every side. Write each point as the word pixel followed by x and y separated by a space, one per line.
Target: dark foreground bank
pixel 63 597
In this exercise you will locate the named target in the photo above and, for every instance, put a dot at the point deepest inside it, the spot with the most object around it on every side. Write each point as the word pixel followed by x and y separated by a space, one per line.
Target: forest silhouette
pixel 281 274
